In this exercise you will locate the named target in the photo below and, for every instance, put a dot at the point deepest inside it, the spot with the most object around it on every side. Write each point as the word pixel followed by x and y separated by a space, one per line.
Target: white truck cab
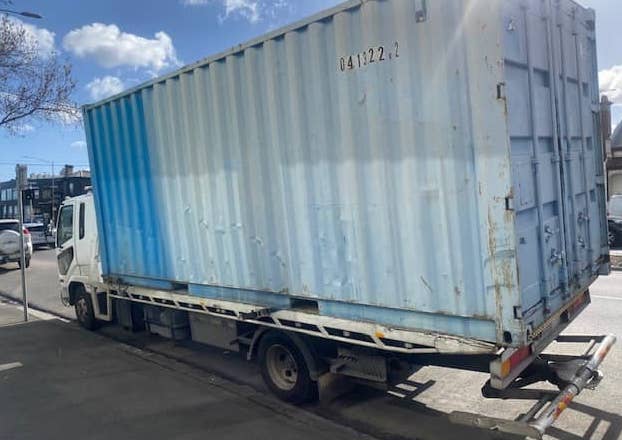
pixel 79 267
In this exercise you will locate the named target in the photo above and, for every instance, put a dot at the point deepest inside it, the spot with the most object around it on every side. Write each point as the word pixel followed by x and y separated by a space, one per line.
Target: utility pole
pixel 21 180
pixel 53 215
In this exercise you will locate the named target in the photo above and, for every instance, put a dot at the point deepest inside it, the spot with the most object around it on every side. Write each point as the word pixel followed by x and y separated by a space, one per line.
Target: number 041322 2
pixel 376 54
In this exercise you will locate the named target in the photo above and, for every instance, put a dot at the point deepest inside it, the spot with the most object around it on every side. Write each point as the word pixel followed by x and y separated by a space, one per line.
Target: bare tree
pixel 33 85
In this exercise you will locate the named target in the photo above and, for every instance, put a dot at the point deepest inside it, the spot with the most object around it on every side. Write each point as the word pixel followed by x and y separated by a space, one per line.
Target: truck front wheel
pixel 284 369
pixel 84 309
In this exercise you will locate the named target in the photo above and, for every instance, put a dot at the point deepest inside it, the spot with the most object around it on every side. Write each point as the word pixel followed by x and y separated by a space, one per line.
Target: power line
pixel 34 164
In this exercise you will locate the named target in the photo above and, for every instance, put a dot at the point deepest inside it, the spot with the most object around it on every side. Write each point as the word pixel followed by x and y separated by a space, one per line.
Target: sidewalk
pixel 76 384
pixel 616 259
pixel 11 312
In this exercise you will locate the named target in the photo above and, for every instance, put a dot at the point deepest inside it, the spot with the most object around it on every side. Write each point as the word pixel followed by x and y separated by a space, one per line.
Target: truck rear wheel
pixel 84 309
pixel 284 369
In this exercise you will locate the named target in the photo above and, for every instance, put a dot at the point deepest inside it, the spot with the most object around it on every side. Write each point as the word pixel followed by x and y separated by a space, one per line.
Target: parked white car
pixel 9 242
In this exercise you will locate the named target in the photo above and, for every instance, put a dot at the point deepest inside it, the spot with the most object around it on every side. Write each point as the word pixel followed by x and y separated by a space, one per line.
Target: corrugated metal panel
pixel 297 166
pixel 550 69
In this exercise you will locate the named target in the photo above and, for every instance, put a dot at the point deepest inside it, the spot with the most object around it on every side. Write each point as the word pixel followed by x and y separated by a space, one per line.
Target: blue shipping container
pixel 424 165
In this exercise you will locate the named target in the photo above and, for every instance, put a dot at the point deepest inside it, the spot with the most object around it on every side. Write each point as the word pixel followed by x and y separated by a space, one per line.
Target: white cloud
pixel 101 88
pixel 250 10
pixel 245 8
pixel 43 37
pixel 23 129
pixel 111 47
pixel 611 83
pixel 78 145
pixel 72 116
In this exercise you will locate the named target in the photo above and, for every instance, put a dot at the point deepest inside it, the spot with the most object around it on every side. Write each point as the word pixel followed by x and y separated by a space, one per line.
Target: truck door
pixel 82 243
pixel 65 249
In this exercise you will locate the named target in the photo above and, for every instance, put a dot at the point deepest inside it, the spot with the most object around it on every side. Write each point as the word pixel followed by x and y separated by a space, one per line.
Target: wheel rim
pixel 81 309
pixel 282 367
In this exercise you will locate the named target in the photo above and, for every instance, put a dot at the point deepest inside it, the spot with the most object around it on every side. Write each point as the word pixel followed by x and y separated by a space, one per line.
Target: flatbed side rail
pixel 368 334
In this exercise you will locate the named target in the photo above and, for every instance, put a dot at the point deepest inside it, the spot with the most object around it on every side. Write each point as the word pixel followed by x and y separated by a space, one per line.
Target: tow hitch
pixel 570 373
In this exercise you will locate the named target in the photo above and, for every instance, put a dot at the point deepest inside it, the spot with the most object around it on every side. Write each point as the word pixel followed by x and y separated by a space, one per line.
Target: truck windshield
pixel 615 206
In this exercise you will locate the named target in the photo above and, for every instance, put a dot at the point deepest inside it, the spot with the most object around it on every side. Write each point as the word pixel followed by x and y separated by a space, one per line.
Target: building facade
pixel 44 195
pixel 614 162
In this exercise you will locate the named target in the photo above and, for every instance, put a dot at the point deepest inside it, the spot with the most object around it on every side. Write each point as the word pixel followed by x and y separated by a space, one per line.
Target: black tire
pixel 284 369
pixel 84 309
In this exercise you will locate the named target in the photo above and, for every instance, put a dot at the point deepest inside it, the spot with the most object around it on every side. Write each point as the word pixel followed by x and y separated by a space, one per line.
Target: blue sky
pixel 152 37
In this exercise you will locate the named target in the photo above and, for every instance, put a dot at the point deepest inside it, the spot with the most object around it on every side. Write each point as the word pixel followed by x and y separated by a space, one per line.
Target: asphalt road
pixel 402 414
pixel 41 282
pixel 59 382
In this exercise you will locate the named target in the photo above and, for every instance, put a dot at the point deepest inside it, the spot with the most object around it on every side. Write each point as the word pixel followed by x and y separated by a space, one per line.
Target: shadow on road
pixel 9 267
pixel 405 418
pixel 599 417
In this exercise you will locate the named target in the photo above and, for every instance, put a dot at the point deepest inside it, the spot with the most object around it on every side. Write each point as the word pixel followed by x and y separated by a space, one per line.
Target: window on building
pixel 36 194
pixel 46 194
pixel 70 188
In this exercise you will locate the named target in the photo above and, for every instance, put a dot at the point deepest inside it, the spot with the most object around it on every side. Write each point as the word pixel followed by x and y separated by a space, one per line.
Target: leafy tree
pixel 33 85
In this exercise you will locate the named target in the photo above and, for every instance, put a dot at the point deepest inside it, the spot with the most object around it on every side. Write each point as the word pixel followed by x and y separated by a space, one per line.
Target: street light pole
pixel 21 178
pixel 52 215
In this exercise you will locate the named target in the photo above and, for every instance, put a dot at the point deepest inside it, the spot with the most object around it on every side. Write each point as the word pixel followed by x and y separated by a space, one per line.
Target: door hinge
pixel 501 90
pixel 421 11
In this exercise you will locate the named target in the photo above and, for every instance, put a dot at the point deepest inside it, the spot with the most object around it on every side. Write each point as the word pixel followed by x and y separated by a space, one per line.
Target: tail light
pixel 26 231
pixel 514 360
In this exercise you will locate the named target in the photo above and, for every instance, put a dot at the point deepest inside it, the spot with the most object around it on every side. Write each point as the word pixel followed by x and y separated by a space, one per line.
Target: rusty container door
pixel 559 204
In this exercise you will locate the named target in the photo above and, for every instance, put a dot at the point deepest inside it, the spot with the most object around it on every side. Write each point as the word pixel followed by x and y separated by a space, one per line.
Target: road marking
pixel 615 298
pixel 4 367
pixel 43 316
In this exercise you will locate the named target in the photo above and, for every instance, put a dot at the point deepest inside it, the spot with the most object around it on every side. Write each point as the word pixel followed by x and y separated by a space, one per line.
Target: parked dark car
pixel 614 218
